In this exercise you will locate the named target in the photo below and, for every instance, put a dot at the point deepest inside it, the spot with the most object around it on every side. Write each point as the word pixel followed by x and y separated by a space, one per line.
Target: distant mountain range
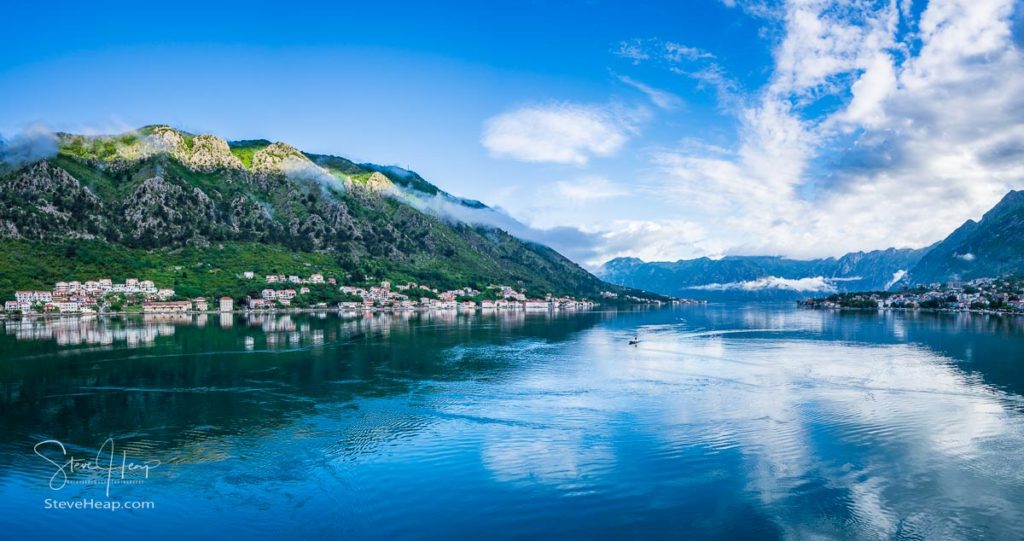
pixel 990 248
pixel 194 210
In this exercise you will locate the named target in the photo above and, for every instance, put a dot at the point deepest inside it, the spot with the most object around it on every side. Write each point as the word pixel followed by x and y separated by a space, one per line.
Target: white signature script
pixel 106 462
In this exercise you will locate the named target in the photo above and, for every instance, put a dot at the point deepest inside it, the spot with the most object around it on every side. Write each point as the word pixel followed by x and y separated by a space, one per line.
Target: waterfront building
pixel 154 307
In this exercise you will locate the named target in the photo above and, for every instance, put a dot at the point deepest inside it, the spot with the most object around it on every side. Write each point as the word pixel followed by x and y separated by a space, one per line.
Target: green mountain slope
pixel 193 210
pixel 991 247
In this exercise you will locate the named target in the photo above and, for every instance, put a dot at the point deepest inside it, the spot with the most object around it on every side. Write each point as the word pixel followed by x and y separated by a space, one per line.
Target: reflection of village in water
pixel 276 330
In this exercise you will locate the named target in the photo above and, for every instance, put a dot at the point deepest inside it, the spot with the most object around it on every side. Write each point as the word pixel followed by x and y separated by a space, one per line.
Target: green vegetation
pixel 191 272
pixel 244 150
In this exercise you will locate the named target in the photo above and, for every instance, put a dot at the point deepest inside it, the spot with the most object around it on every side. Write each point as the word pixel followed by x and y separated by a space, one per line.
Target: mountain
pixel 195 210
pixel 991 247
pixel 763 277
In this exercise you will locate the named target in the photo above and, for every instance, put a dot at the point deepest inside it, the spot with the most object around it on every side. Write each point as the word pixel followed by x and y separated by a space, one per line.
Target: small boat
pixel 634 341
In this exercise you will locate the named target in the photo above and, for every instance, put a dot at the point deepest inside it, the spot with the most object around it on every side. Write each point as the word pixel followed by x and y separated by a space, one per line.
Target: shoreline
pixel 293 311
pixel 929 310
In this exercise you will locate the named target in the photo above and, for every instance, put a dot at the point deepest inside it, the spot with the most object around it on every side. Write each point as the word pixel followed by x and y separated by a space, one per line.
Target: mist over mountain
pixel 164 193
pixel 989 248
pixel 763 277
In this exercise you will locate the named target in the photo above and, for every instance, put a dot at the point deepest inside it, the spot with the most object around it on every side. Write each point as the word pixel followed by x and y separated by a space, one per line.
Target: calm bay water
pixel 726 421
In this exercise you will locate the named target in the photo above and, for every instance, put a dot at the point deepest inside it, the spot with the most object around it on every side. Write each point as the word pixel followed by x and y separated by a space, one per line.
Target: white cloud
pixel 650 240
pixel 34 142
pixel 867 108
pixel 896 277
pixel 304 170
pixel 662 99
pixel 926 136
pixel 565 133
pixel 675 52
pixel 588 189
pixel 632 50
pixel 866 135
pixel 817 284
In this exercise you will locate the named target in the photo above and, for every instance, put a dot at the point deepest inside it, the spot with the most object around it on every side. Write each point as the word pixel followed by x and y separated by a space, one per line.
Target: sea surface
pixel 725 421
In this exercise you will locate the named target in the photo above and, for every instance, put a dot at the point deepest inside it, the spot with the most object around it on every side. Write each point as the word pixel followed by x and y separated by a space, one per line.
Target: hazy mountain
pixel 763 277
pixel 991 247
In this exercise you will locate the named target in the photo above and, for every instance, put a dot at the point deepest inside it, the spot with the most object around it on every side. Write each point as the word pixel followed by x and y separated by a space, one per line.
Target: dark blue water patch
pixel 725 421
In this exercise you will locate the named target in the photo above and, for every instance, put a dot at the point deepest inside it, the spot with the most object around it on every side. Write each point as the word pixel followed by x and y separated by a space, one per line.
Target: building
pixel 260 304
pixel 227 304
pixel 69 307
pixel 534 304
pixel 248 275
pixel 33 296
pixel 13 306
pixel 201 304
pixel 166 307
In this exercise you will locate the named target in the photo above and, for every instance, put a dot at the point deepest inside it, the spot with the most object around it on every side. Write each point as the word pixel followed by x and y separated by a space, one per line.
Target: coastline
pixel 901 309
pixel 375 309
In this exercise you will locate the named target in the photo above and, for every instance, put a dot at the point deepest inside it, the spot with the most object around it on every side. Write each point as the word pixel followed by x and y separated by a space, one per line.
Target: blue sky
pixel 662 130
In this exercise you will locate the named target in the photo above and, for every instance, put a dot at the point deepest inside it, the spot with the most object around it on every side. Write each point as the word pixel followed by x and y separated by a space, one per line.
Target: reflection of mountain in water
pixel 157 380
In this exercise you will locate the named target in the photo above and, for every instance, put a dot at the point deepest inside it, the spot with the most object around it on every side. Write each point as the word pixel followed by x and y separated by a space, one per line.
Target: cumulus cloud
pixel 926 133
pixel 878 126
pixel 35 142
pixel 566 133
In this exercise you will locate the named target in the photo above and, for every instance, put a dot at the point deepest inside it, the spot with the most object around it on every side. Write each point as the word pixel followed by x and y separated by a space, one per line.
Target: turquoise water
pixel 726 421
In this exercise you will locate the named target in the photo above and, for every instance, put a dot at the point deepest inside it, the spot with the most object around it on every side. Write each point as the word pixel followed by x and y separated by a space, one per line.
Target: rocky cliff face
pixel 378 183
pixel 207 153
pixel 43 201
pixel 159 213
